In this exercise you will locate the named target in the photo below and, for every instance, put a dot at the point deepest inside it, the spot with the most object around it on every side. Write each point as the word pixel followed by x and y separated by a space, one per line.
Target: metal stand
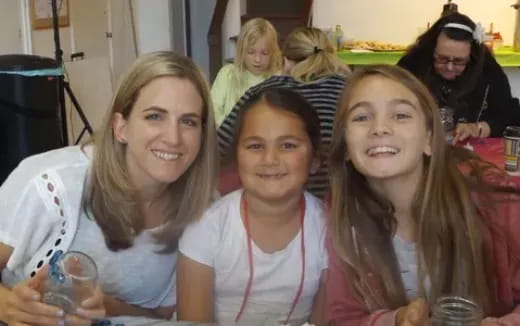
pixel 63 85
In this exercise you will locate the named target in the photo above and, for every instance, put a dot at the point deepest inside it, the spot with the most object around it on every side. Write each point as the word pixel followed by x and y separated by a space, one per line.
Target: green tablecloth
pixel 506 57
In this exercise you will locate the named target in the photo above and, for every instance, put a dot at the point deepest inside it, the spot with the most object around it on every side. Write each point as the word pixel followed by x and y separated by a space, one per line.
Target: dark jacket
pixel 489 100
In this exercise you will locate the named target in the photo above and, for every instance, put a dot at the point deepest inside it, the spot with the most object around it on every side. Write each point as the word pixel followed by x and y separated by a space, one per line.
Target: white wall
pixel 91 85
pixel 43 42
pixel 152 18
pixel 231 27
pixel 201 13
pixel 89 24
pixel 11 39
pixel 400 21
pixel 123 49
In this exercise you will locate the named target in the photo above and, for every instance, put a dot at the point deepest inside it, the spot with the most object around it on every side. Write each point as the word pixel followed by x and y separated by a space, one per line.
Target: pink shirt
pixel 502 239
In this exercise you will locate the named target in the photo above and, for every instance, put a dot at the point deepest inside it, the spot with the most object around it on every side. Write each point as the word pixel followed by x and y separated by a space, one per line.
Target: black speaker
pixel 29 109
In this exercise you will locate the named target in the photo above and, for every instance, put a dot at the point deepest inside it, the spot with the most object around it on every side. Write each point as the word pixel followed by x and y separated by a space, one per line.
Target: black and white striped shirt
pixel 323 94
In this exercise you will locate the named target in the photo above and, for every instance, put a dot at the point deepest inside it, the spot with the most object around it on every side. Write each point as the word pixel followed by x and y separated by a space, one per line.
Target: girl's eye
pixel 254 146
pixel 265 53
pixel 190 122
pixel 153 116
pixel 360 117
pixel 289 146
pixel 401 116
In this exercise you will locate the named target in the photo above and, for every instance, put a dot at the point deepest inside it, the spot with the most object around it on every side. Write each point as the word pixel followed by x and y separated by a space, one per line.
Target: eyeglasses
pixel 444 60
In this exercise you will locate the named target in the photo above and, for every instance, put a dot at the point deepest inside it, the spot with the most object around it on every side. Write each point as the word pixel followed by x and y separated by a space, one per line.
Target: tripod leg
pixel 80 135
pixel 63 112
pixel 78 108
pixel 61 79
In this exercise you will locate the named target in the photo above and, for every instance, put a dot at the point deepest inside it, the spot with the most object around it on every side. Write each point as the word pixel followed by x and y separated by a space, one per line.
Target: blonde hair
pixel 250 32
pixel 313 53
pixel 449 226
pixel 112 199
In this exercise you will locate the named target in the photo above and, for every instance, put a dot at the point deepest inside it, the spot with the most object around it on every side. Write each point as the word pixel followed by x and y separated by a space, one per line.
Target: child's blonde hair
pixel 313 54
pixel 249 34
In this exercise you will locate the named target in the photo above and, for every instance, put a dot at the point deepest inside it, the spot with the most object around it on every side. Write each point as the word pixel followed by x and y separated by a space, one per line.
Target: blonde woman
pixel 123 200
pixel 414 219
pixel 313 70
pixel 257 58
pixel 309 55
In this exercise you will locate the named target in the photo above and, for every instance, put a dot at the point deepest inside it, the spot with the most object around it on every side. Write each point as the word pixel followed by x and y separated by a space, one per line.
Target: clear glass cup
pixel 72 278
pixel 448 122
pixel 456 311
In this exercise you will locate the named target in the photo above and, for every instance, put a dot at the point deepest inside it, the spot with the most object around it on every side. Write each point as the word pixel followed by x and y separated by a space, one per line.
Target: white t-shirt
pixel 219 240
pixel 137 275
pixel 406 257
pixel 406 253
pixel 41 212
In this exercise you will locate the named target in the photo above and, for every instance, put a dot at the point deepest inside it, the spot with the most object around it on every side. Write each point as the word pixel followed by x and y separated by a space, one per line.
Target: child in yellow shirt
pixel 258 57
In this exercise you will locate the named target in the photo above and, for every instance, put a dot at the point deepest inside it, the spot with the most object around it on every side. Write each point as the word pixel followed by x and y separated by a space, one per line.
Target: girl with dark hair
pixel 257 256
pixel 413 219
pixel 463 76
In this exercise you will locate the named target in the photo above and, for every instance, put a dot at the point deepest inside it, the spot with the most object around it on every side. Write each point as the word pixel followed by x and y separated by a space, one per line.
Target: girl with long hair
pixel 412 218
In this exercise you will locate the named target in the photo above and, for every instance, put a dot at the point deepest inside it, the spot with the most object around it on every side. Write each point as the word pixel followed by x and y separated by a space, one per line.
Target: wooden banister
pixel 307 12
pixel 215 38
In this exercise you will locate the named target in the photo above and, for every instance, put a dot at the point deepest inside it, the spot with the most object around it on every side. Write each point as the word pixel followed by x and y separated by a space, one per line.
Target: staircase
pixel 285 15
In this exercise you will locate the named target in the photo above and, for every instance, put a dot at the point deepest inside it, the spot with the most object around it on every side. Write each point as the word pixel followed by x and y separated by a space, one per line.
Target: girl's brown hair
pixel 449 227
pixel 282 99
pixel 112 199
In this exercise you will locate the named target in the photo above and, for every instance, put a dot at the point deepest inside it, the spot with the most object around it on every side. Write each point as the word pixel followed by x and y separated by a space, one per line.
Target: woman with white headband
pixel 463 76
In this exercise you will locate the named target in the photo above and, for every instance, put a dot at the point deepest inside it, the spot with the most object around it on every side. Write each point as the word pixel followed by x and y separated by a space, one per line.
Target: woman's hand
pixel 464 131
pixel 21 305
pixel 487 322
pixel 164 312
pixel 496 322
pixel 90 309
pixel 415 314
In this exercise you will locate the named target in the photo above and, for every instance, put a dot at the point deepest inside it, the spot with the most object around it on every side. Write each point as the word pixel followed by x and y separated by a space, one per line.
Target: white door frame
pixel 110 43
pixel 25 26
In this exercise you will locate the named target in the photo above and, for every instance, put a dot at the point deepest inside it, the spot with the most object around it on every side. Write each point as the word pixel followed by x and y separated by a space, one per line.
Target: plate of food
pixel 375 46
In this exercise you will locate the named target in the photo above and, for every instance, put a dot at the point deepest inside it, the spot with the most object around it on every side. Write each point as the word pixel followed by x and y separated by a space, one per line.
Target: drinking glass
pixel 71 279
pixel 456 311
pixel 448 122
